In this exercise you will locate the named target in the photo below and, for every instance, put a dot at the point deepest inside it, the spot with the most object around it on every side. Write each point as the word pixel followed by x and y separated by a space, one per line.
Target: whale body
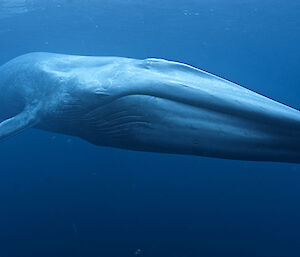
pixel 149 105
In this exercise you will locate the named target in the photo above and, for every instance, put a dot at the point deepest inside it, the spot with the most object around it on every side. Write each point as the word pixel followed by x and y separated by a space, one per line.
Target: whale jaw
pixel 162 125
pixel 154 124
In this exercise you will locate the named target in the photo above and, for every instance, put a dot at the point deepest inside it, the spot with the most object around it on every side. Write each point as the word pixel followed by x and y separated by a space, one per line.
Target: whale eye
pixel 101 92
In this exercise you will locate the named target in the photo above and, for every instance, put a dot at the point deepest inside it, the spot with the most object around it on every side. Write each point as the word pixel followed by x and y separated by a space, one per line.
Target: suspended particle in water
pixel 138 252
pixel 74 228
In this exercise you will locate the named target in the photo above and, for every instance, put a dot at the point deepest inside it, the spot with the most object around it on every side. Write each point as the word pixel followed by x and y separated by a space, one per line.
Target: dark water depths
pixel 60 196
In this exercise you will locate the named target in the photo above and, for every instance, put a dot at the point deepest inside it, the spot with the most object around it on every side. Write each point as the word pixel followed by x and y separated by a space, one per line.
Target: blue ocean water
pixel 61 196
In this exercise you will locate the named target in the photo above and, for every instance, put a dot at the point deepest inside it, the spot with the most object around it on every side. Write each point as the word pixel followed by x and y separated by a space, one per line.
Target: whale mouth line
pixel 218 125
pixel 221 106
pixel 233 116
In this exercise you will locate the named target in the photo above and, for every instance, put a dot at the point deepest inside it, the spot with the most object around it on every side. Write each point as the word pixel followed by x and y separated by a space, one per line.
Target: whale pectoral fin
pixel 17 124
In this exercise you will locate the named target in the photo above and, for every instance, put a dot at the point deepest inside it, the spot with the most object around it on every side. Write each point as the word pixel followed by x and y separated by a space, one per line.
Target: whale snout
pixel 187 111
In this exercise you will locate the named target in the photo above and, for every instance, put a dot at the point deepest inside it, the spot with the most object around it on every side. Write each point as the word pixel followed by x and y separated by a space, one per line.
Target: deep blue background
pixel 61 196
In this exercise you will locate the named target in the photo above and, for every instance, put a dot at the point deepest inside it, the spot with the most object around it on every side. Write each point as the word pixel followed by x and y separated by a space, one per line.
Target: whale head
pixel 149 105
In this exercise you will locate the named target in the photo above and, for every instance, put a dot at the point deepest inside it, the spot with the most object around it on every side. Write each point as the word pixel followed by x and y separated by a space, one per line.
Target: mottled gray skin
pixel 147 105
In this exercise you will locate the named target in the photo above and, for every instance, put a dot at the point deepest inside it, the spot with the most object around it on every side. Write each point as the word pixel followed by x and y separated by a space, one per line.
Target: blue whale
pixel 149 105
